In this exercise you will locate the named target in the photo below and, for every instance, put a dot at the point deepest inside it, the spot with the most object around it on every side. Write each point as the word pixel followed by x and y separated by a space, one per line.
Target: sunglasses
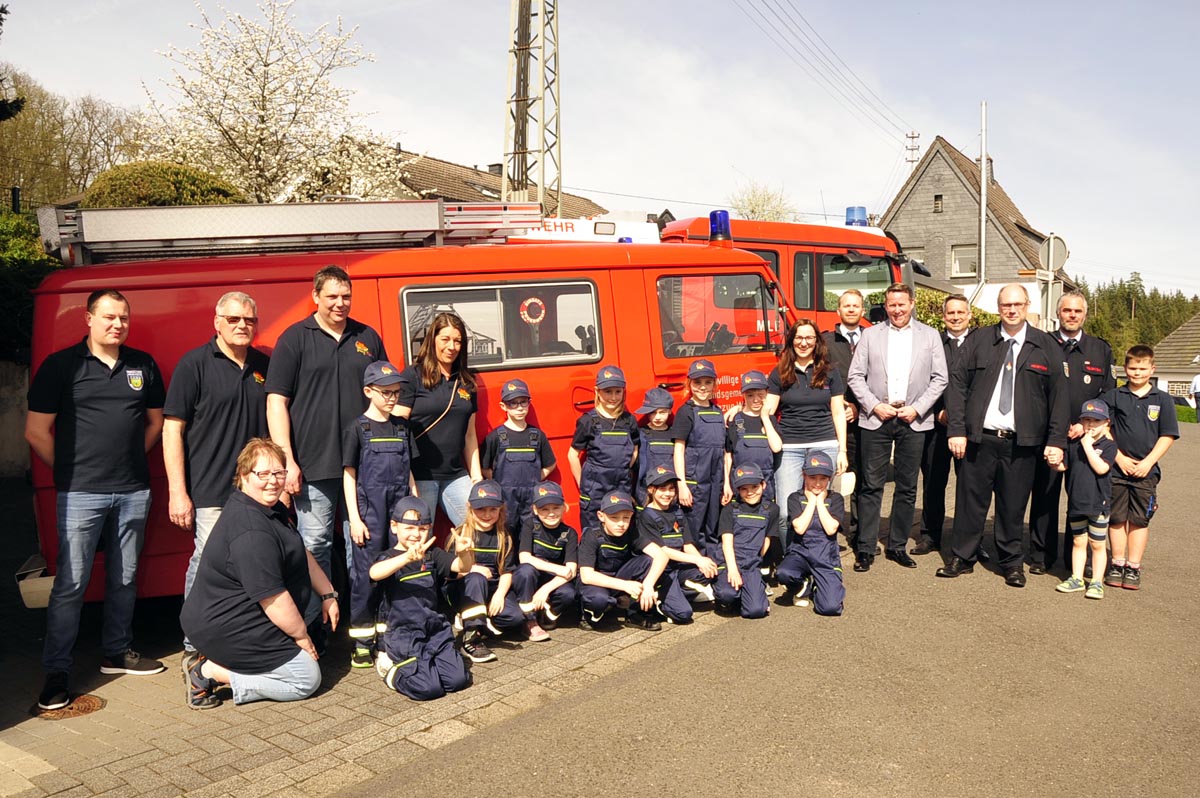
pixel 234 321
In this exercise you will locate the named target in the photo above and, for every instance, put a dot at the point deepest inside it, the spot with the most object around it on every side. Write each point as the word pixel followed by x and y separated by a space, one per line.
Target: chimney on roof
pixel 991 170
pixel 495 169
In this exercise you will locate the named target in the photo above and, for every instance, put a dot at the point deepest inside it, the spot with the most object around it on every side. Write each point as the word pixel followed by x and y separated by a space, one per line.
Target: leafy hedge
pixel 149 183
pixel 928 309
pixel 23 266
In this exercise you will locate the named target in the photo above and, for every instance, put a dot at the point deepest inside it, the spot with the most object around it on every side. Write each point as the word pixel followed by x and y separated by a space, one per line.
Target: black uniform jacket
pixel 1040 399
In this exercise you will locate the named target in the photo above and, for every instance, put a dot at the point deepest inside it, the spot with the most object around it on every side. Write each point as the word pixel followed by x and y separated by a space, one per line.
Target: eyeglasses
pixel 267 475
pixel 1013 305
pixel 805 339
pixel 234 321
pixel 516 403
pixel 387 394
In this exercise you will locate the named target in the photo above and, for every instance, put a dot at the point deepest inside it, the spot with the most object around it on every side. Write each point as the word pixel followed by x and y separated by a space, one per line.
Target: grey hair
pixel 237 296
pixel 1073 295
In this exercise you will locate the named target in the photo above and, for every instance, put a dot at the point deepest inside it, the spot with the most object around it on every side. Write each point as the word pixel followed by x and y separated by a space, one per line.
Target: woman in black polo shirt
pixel 437 396
pixel 806 389
pixel 244 613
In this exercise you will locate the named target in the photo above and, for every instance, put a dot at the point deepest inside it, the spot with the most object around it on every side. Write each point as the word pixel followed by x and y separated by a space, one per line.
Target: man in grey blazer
pixel 897 375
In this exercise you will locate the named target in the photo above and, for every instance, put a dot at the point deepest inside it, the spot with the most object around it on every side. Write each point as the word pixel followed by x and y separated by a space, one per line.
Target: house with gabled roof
pixel 935 215
pixel 433 178
pixel 1177 358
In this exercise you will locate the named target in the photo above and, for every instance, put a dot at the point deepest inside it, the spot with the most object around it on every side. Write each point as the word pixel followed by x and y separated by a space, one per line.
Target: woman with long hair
pixel 437 396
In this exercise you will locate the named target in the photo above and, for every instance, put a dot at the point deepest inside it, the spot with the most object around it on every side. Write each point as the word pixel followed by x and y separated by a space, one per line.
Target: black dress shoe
pixel 862 562
pixel 1014 577
pixel 926 545
pixel 982 556
pixel 1037 569
pixel 956 567
pixel 900 557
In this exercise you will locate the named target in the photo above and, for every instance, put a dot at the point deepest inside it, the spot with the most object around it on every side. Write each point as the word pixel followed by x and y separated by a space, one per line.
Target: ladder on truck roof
pixel 82 236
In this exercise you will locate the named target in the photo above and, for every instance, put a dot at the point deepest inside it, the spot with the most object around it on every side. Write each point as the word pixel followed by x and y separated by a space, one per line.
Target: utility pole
pixel 912 148
pixel 532 169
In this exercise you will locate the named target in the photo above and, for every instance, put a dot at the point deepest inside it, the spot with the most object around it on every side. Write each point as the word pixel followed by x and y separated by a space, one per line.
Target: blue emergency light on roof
pixel 625 240
pixel 718 226
pixel 856 216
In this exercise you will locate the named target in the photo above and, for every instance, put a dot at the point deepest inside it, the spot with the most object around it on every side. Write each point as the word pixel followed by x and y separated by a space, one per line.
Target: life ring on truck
pixel 533 311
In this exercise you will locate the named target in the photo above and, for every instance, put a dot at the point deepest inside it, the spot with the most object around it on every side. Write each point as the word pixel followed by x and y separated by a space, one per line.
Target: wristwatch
pixel 333 595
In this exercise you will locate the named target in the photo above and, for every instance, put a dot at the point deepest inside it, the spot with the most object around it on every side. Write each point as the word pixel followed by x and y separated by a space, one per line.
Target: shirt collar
pixel 1019 337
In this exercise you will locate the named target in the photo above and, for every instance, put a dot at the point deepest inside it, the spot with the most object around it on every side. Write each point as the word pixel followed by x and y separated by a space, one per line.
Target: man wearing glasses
pixel 216 402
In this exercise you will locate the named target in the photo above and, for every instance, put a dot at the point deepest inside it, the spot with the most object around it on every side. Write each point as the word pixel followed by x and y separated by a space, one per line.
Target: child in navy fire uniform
pixel 743 526
pixel 548 555
pixel 516 455
pixel 811 569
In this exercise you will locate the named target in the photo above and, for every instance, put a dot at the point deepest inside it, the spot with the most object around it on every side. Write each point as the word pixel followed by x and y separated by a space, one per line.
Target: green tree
pixel 927 308
pixel 8 107
pixel 138 185
pixel 23 266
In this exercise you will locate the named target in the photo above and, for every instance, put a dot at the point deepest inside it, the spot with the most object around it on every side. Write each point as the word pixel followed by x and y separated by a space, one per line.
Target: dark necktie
pixel 1006 381
pixel 1069 345
pixel 853 336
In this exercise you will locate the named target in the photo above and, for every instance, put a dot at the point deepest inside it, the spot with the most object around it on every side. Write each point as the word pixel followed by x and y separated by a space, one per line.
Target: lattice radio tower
pixel 532 168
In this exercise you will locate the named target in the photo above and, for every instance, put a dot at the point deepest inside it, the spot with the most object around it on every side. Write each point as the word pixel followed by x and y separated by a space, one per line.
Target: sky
pixel 674 104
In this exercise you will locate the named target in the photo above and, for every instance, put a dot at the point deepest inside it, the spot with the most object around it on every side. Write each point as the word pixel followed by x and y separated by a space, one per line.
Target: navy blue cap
pixel 753 379
pixel 1094 408
pixel 701 368
pixel 610 377
pixel 615 502
pixel 661 475
pixel 818 463
pixel 514 389
pixel 411 504
pixel 748 474
pixel 656 399
pixel 485 494
pixel 547 493
pixel 381 372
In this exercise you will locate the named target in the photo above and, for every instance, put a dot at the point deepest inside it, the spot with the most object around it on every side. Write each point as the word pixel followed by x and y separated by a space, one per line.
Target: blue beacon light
pixel 718 227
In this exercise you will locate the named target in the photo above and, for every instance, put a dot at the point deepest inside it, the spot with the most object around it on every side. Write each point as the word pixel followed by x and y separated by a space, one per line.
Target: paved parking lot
pixel 962 687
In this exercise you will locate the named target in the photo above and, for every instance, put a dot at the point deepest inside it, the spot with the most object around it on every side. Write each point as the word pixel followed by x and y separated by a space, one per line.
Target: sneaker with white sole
pixel 54 694
pixel 475 649
pixel 703 592
pixel 536 633
pixel 1095 590
pixel 803 597
pixel 1073 584
pixel 131 663
pixel 383 663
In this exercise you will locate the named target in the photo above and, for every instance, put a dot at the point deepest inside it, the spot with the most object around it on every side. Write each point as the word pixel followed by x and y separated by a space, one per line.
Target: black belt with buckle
pixel 896 404
pixel 1000 433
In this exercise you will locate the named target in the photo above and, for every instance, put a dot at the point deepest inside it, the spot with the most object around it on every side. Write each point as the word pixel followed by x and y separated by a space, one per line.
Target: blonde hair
pixel 472 526
pixel 250 454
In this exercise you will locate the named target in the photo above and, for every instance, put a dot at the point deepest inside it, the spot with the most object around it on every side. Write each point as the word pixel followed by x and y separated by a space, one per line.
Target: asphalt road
pixel 959 687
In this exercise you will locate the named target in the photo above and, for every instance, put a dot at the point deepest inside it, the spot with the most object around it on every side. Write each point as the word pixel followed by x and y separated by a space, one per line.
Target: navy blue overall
pixel 673 597
pixel 518 469
pixel 749 531
pixel 704 462
pixel 656 449
pixel 417 638
pixel 753 447
pixel 382 478
pixel 814 554
pixel 474 590
pixel 613 558
pixel 608 467
pixel 549 545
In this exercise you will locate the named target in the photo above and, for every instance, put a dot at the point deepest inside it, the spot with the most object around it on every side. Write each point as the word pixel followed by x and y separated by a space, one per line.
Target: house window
pixel 964 261
pixel 937 203
pixel 1181 388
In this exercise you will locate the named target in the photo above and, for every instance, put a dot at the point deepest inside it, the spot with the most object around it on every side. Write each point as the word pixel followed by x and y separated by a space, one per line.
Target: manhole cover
pixel 80 705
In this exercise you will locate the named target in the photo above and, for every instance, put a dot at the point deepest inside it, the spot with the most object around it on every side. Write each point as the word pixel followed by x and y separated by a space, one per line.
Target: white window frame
pixel 955 271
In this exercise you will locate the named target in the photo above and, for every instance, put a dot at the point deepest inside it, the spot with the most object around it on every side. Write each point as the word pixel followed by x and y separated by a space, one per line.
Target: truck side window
pixel 838 274
pixel 802 293
pixel 716 315
pixel 525 324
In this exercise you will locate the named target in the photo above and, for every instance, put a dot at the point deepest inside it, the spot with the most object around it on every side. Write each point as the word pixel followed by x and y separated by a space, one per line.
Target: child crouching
pixel 811 569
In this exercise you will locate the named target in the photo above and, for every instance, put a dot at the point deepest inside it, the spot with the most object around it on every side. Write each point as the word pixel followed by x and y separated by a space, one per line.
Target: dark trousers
pixel 998 466
pixel 875 447
pixel 1043 517
pixel 935 476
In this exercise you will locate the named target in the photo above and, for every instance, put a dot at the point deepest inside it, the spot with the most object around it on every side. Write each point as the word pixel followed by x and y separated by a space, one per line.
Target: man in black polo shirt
pixel 95 409
pixel 216 402
pixel 1087 364
pixel 314 391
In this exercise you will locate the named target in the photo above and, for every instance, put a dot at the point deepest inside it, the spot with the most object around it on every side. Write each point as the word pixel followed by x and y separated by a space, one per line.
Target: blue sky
pixel 1091 116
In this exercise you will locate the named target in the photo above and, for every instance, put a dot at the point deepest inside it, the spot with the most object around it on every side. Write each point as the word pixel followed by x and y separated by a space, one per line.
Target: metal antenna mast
pixel 532 170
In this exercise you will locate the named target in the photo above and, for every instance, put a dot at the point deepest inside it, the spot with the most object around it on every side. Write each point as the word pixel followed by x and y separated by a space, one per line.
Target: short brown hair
pixel 1139 352
pixel 955 298
pixel 901 288
pixel 330 272
pixel 250 454
pixel 105 293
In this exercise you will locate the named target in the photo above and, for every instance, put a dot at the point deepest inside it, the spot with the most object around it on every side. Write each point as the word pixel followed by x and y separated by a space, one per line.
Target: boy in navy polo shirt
pixel 1089 493
pixel 516 455
pixel 1144 426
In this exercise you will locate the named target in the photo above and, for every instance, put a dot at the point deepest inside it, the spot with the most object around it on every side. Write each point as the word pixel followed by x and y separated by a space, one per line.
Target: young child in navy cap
pixel 656 446
pixel 811 569
pixel 377 452
pixel 1089 497
pixel 484 595
pixel 605 446
pixel 609 571
pixel 516 455
pixel 699 433
pixel 746 526
pixel 751 436
pixel 416 645
pixel 548 554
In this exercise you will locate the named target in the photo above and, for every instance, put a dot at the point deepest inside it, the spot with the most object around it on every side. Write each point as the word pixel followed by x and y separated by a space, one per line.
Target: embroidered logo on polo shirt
pixel 361 348
pixel 135 379
pixel 259 378
pixel 1152 412
pixel 462 394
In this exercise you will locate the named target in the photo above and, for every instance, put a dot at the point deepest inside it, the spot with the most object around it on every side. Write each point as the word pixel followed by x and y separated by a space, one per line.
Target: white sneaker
pixel 703 592
pixel 803 597
pixel 383 663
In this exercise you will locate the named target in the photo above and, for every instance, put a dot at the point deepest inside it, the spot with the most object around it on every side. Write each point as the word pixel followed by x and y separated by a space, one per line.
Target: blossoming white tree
pixel 256 103
pixel 759 201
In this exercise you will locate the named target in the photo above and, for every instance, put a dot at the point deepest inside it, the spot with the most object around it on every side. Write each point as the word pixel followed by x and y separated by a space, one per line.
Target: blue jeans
pixel 206 519
pixel 82 519
pixel 789 477
pixel 452 493
pixel 316 507
pixel 295 679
